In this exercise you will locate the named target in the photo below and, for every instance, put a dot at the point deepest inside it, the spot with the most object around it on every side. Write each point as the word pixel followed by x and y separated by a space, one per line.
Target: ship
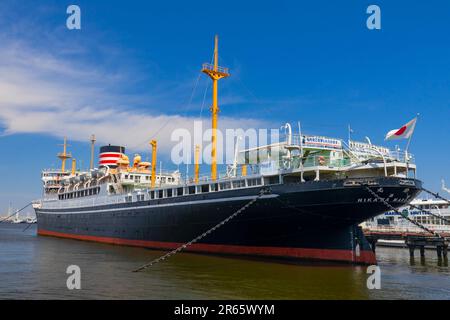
pixel 303 202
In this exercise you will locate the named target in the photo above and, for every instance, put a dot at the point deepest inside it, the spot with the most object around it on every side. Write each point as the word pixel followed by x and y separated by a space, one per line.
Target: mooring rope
pixel 402 214
pixel 204 234
pixel 15 212
pixel 436 195
pixel 430 213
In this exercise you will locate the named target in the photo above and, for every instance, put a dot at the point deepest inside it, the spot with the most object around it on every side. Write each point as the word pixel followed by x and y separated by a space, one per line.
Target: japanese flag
pixel 404 132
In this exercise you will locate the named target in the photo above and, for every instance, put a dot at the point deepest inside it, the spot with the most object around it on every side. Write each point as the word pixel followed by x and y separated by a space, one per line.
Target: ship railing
pixel 406 228
pixel 209 66
pixel 357 155
pixel 86 202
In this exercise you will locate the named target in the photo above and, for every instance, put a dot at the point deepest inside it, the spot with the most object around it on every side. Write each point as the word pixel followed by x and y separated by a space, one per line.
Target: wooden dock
pixel 413 240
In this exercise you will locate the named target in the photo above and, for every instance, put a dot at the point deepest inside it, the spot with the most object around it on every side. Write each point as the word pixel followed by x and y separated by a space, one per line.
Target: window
pixel 239 184
pixel 128 199
pixel 225 185
pixel 160 194
pixel 169 193
pixel 179 191
pixel 204 188
pixel 214 187
pixel 272 180
pixel 254 182
pixel 152 195
pixel 191 190
pixel 140 197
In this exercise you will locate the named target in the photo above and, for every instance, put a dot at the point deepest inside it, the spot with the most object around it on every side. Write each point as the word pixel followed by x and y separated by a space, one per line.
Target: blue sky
pixel 129 75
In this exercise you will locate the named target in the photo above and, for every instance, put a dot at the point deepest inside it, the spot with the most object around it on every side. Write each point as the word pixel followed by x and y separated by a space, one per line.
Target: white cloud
pixel 44 93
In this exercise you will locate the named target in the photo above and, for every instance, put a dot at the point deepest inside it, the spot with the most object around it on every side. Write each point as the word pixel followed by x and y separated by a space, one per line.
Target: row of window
pixel 431 220
pixel 432 206
pixel 137 178
pixel 204 188
pixel 79 194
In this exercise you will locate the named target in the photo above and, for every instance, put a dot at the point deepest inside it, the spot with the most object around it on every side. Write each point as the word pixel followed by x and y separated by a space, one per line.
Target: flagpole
pixel 349 135
pixel 407 147
pixel 301 152
pixel 409 139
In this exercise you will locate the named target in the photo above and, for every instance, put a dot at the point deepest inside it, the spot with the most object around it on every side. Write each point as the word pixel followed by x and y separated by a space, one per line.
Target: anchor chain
pixel 204 234
pixel 402 214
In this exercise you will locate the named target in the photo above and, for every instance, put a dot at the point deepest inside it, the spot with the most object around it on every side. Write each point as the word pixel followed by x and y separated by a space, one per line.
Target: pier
pixel 413 240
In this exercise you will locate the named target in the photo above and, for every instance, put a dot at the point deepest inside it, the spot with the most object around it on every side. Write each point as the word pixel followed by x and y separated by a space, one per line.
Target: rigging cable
pixel 184 111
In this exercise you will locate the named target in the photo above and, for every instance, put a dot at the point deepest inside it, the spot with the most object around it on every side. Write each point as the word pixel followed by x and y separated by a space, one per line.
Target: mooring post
pixel 411 250
pixel 422 251
pixel 439 251
pixel 373 244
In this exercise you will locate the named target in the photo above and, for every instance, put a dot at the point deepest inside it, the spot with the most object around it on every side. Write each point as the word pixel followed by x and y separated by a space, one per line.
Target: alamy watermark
pixel 229 147
pixel 74 280
pixel 374 20
pixel 374 280
pixel 73 22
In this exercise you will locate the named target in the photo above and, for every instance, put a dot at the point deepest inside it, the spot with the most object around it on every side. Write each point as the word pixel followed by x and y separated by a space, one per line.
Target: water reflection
pixel 34 267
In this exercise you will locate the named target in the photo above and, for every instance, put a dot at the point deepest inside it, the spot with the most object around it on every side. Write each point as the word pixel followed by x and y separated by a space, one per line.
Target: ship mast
pixel 215 72
pixel 91 166
pixel 154 145
pixel 64 155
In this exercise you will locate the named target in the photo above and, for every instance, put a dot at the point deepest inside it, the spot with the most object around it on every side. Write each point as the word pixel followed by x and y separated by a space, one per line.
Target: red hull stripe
pixel 108 161
pixel 112 155
pixel 365 257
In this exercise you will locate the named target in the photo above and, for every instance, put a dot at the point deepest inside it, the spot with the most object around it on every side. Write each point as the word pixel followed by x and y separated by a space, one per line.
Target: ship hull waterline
pixel 305 221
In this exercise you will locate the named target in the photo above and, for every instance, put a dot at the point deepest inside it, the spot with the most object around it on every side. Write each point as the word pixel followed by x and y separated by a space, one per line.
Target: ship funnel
pixel 109 155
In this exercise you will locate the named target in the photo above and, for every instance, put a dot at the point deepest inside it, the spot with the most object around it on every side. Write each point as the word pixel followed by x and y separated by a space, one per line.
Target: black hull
pixel 312 220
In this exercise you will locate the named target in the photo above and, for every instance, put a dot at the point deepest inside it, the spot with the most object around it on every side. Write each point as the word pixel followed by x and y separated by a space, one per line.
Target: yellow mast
pixel 244 170
pixel 64 155
pixel 74 166
pixel 215 73
pixel 197 154
pixel 153 143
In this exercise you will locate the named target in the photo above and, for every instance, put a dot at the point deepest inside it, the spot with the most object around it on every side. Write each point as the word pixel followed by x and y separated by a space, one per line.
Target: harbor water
pixel 34 267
